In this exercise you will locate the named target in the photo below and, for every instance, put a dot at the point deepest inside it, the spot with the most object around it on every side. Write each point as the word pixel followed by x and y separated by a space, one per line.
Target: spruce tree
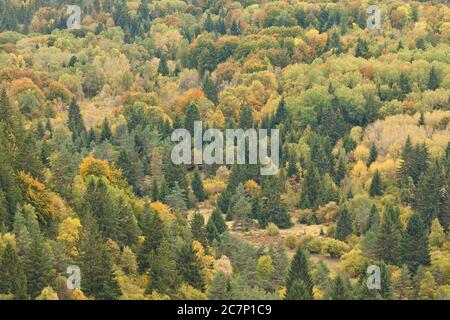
pixel 197 186
pixel 75 121
pixel 433 80
pixel 414 250
pixel 192 115
pixel 310 194
pixel 339 289
pixel 376 185
pixel 344 225
pixel 299 284
pixel 404 83
pixel 163 69
pixel 155 191
pixel 373 155
pixel 219 287
pixel 190 267
pixel 98 278
pixel 177 199
pixel 106 134
pixel 198 229
pixel 387 244
pixel 154 233
pixel 12 276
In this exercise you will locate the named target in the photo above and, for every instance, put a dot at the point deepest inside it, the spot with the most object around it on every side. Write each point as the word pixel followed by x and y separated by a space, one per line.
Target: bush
pixel 272 229
pixel 315 245
pixel 291 242
pixel 334 248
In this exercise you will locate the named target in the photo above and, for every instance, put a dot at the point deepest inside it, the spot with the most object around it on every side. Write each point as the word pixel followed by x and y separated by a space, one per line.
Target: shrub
pixel 291 242
pixel 272 229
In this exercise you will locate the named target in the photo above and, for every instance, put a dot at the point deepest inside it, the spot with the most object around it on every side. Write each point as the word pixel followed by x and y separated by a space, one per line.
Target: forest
pixel 92 206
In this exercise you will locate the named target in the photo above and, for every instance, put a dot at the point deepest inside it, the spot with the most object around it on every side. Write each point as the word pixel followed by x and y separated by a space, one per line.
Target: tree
pixel 246 118
pixel 427 287
pixel 376 185
pixel 437 235
pixel 192 115
pixel 106 134
pixel 429 201
pixel 404 83
pixel 163 69
pixel 433 80
pixel 96 264
pixel 75 121
pixel 264 267
pixel 215 226
pixel 12 276
pixel 177 199
pixel 197 186
pixel 154 232
pixel 373 155
pixel 344 225
pixel 155 190
pixel 219 286
pixel 362 49
pixel 299 285
pixel 273 209
pixel 414 249
pixel 190 267
pixel 310 194
pixel 339 289
pixel 209 87
pixel 198 229
pixel 388 237
pixel 240 209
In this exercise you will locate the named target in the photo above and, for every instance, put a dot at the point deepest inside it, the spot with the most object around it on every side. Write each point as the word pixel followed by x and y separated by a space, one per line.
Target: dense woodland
pixel 86 176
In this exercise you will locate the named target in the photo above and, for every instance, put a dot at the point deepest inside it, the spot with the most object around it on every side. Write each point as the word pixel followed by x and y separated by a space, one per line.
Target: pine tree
pixel 217 219
pixel 198 229
pixel 37 262
pixel 219 287
pixel 96 264
pixel 155 191
pixel 235 29
pixel 12 276
pixel 209 87
pixel 197 186
pixel 415 251
pixel 163 190
pixel 292 166
pixel 299 284
pixel 362 49
pixel 123 161
pixel 310 194
pixel 374 218
pixel 273 209
pixel 190 267
pixel 388 238
pixel 421 121
pixel 341 168
pixel 376 185
pixel 240 209
pixel 344 225
pixel 208 25
pixel 154 233
pixel 429 200
pixel 177 199
pixel 404 83
pixel 339 289
pixel 163 69
pixel 192 115
pixel 246 118
pixel 373 155
pixel 106 134
pixel 433 80
pixel 75 122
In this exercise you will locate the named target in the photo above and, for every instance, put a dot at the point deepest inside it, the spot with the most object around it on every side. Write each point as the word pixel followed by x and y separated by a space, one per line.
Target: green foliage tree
pixel 299 284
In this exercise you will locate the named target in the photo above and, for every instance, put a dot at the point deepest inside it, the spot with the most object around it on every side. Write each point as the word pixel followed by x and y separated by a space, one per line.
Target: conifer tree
pixel 154 233
pixel 190 267
pixel 433 80
pixel 177 199
pixel 388 238
pixel 373 155
pixel 240 209
pixel 415 251
pixel 376 185
pixel 163 69
pixel 192 115
pixel 198 228
pixel 344 225
pixel 310 194
pixel 163 190
pixel 219 287
pixel 155 191
pixel 197 186
pixel 209 87
pixel 339 289
pixel 75 122
pixel 246 118
pixel 12 276
pixel 404 83
pixel 106 134
pixel 98 278
pixel 299 284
